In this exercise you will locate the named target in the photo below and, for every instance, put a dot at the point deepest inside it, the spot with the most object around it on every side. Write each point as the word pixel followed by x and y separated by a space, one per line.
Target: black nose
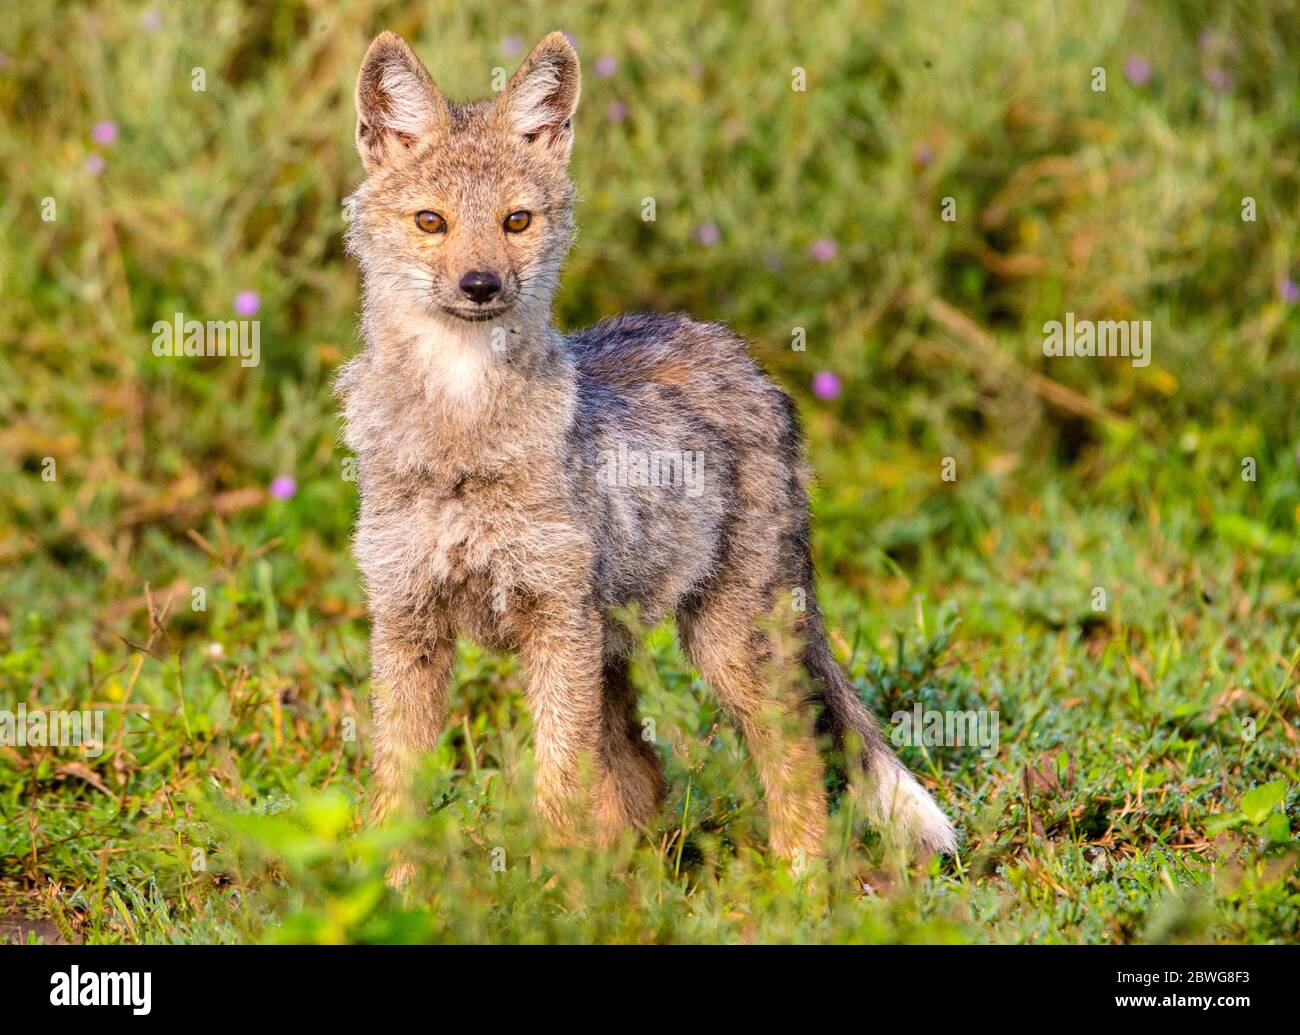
pixel 479 286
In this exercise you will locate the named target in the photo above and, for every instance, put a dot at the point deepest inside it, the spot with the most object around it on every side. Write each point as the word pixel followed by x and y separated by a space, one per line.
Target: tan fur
pixel 485 441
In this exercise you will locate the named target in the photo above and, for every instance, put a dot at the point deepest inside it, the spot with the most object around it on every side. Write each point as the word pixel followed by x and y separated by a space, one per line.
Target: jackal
pixel 481 434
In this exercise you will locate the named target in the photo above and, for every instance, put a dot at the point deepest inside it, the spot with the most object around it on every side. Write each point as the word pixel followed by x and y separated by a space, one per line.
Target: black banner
pixel 170 984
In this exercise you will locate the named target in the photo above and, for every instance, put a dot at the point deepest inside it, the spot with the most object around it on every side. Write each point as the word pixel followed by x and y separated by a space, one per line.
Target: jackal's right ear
pixel 397 102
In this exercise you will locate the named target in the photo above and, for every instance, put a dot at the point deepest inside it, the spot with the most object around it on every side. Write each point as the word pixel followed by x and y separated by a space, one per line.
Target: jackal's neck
pixel 472 391
pixel 456 361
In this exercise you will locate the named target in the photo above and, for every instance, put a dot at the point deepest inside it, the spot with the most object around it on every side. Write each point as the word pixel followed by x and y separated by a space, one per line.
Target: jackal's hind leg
pixel 727 635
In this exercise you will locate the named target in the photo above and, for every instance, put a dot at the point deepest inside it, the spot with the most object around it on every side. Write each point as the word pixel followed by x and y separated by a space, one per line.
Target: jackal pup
pixel 519 485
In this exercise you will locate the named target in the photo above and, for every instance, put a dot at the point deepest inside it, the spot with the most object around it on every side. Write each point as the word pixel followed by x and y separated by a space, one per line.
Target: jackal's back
pixel 676 431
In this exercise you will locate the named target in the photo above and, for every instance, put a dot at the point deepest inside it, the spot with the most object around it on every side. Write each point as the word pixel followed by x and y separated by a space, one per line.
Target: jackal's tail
pixel 899 802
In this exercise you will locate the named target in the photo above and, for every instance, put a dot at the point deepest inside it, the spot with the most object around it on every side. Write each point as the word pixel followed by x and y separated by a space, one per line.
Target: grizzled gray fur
pixel 519 486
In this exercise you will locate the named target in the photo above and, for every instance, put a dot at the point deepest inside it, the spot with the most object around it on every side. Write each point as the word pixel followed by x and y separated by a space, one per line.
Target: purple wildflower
pixel 825 385
pixel 1137 69
pixel 823 249
pixel 1219 78
pixel 708 234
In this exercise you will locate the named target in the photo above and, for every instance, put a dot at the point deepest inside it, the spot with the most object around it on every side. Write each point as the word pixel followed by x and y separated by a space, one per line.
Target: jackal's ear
pixel 397 102
pixel 539 101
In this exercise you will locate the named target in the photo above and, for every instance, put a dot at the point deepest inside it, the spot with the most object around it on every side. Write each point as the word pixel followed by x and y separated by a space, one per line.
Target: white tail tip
pixel 908 810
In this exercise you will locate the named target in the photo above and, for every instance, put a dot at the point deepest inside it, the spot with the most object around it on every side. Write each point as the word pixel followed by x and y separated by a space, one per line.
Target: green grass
pixel 1128 800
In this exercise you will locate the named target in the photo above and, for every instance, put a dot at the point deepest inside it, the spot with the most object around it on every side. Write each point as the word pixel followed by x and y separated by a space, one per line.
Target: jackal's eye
pixel 517 222
pixel 430 222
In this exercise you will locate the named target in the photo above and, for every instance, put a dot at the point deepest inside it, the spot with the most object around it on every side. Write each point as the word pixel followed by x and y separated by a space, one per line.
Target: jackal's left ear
pixel 397 102
pixel 539 101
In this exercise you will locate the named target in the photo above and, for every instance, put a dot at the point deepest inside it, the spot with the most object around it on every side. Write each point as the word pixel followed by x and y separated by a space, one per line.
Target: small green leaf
pixel 1222 821
pixel 1260 801
pixel 1277 829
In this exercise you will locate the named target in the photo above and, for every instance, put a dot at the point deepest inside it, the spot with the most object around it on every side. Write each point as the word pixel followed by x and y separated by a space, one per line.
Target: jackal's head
pixel 467 209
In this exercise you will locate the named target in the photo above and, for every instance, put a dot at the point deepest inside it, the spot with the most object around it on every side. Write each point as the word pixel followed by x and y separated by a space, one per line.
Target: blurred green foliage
pixel 1127 801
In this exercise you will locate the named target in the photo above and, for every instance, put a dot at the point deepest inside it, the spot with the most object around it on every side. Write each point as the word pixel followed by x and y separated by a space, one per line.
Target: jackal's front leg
pixel 562 653
pixel 410 708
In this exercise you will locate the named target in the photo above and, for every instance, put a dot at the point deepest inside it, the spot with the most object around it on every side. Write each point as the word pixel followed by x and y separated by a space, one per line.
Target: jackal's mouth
pixel 475 314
